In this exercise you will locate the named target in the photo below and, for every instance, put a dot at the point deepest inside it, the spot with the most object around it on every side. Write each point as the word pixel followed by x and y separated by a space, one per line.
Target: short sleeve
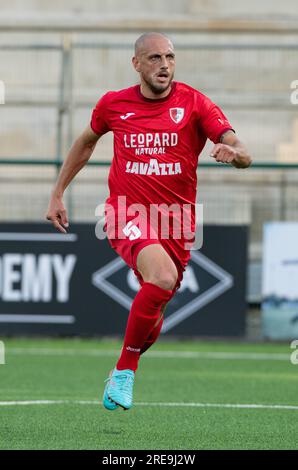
pixel 212 120
pixel 99 116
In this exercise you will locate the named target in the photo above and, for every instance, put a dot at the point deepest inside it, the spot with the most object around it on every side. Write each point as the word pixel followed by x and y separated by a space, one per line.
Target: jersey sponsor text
pixel 153 168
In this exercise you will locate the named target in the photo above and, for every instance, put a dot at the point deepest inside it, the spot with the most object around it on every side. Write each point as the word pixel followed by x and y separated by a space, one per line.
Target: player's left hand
pixel 223 153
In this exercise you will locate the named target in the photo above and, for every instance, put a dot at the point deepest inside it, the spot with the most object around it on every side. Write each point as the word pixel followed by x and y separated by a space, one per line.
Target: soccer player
pixel 160 127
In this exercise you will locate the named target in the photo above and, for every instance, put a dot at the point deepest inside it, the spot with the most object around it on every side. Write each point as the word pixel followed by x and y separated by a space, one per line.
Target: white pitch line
pixel 33 402
pixel 154 404
pixel 154 354
pixel 222 405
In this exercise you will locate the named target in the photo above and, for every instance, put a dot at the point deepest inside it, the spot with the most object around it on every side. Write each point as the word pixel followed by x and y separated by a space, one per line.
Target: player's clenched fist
pixel 57 213
pixel 223 153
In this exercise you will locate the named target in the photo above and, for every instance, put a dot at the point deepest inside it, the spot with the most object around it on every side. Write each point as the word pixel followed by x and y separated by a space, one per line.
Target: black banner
pixel 75 284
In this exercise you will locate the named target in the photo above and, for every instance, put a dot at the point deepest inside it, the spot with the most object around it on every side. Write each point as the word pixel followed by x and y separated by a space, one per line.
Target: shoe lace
pixel 125 382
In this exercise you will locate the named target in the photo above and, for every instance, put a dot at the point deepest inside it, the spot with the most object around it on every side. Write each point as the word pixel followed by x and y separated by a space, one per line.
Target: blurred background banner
pixel 74 284
pixel 280 281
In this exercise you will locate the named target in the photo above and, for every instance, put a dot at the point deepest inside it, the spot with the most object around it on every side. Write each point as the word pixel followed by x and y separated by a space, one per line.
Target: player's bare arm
pixel 76 159
pixel 232 151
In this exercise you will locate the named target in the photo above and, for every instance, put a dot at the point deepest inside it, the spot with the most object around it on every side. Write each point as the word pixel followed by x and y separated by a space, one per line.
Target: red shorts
pixel 128 250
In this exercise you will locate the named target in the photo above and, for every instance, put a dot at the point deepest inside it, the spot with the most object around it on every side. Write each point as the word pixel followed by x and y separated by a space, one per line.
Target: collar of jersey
pixel 158 100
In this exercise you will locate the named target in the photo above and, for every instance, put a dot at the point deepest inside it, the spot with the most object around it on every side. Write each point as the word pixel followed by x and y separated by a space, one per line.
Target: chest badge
pixel 177 114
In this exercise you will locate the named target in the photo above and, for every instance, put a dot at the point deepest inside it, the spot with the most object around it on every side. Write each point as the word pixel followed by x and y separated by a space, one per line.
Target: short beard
pixel 158 90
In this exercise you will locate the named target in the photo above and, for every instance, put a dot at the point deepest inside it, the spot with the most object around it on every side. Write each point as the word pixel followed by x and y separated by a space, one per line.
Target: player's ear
pixel 136 63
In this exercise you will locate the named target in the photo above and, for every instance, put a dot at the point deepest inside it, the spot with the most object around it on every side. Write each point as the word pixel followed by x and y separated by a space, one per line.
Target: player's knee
pixel 165 279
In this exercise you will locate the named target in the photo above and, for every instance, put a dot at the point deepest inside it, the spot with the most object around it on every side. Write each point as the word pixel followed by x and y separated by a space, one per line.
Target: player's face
pixel 156 65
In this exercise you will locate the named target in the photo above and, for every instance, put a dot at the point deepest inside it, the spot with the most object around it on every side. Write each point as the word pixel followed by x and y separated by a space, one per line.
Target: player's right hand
pixel 57 214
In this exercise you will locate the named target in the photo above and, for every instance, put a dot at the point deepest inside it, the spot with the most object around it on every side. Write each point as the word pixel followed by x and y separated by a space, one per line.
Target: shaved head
pixel 146 39
pixel 154 60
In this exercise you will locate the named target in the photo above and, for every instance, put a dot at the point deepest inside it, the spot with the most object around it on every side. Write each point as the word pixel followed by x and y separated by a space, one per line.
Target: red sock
pixel 153 336
pixel 144 313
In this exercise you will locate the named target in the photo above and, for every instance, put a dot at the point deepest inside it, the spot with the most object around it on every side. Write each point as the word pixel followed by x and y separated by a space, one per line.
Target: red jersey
pixel 157 143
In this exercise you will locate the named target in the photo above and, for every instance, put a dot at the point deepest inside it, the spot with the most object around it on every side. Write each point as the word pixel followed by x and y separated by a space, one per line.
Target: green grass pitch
pixel 182 393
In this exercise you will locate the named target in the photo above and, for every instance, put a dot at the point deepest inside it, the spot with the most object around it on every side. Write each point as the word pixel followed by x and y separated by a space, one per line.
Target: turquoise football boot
pixel 107 403
pixel 120 389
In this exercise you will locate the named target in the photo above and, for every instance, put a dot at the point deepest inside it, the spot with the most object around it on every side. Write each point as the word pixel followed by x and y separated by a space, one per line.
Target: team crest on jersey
pixel 177 114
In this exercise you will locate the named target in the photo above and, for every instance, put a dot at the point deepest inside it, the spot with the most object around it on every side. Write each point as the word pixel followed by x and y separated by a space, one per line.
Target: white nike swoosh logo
pixel 127 115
